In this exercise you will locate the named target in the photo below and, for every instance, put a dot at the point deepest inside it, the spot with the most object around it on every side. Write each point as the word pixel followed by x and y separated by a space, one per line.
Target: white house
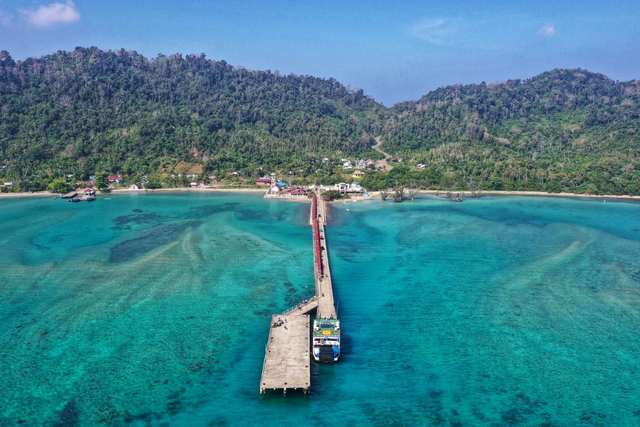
pixel 355 187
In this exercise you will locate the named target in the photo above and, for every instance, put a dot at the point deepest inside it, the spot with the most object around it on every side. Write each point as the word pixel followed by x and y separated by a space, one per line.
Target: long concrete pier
pixel 287 361
pixel 324 287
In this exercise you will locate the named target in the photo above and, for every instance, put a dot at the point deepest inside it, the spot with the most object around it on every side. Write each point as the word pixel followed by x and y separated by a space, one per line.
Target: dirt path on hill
pixel 384 162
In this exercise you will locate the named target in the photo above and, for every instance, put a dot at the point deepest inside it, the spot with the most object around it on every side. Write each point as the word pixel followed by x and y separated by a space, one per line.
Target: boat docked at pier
pixel 326 340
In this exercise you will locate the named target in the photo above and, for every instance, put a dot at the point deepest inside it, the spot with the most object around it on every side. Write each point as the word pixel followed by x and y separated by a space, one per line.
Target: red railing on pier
pixel 316 235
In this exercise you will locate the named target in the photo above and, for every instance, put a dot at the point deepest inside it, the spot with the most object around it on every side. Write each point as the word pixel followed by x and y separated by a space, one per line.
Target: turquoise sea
pixel 154 310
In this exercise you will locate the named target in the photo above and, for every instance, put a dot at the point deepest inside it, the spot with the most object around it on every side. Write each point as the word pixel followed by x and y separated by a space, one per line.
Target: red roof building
pixel 297 191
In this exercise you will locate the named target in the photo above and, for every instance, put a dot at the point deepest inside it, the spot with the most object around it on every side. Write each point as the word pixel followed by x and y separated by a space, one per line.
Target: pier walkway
pixel 288 352
pixel 324 287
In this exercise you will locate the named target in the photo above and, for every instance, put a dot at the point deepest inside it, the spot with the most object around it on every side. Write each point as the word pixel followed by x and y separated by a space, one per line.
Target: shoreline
pixel 467 194
pixel 374 194
pixel 142 191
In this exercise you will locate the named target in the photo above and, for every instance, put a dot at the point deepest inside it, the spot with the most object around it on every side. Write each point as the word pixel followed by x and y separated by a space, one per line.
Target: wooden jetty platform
pixel 287 361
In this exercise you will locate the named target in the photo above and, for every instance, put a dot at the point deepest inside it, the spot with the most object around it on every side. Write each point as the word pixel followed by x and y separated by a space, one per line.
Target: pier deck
pixel 287 358
pixel 288 354
pixel 324 287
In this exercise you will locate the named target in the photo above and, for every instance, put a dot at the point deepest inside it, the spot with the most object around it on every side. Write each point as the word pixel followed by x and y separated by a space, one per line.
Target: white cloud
pixel 53 14
pixel 434 31
pixel 549 30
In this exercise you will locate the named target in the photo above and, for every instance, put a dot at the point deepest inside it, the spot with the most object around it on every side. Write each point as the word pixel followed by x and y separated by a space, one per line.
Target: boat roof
pixel 326 328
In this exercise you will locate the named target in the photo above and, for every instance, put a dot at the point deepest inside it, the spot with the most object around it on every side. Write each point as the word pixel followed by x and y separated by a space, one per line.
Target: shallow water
pixel 154 310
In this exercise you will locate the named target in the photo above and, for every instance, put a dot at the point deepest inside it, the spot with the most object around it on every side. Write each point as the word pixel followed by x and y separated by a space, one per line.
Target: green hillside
pixel 568 130
pixel 91 111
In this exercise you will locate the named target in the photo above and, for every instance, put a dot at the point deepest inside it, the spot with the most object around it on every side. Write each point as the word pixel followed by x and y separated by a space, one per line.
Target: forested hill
pixel 91 110
pixel 569 130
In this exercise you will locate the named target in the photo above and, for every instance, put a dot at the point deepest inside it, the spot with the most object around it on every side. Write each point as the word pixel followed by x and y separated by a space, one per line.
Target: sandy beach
pixel 374 194
pixel 126 190
pixel 467 194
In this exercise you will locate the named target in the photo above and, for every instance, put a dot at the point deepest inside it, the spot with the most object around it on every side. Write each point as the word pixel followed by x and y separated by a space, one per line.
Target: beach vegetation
pixel 59 185
pixel 332 195
pixel 102 181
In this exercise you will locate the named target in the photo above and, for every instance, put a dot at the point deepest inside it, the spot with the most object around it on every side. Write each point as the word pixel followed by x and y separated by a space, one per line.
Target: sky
pixel 394 51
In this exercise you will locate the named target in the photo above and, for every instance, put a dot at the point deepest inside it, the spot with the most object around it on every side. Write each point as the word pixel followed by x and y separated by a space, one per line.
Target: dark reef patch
pixel 68 417
pixel 159 236
pixel 208 210
pixel 122 222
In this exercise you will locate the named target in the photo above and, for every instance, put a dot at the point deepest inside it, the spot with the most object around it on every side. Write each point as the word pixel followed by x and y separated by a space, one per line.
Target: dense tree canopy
pixel 564 130
pixel 93 112
pixel 89 110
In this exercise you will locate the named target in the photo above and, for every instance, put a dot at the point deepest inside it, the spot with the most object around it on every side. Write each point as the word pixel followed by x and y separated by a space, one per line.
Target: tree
pixel 102 181
pixel 331 195
pixel 412 189
pixel 398 193
pixel 58 185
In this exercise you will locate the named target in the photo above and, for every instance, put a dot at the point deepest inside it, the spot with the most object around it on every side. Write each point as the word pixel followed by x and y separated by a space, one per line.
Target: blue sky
pixel 394 51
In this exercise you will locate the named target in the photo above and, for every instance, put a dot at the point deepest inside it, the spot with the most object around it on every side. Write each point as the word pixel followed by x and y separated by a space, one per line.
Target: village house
pixel 355 187
pixel 358 174
pixel 345 188
pixel 263 181
pixel 115 178
pixel 360 164
pixel 296 191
